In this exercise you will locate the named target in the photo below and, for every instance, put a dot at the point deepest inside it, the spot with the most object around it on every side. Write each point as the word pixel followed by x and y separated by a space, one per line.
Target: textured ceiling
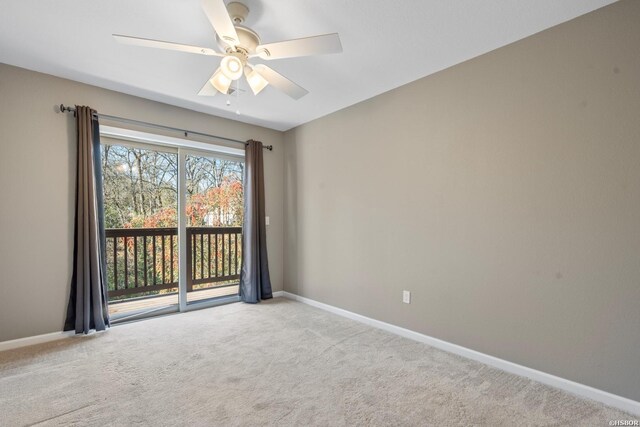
pixel 386 44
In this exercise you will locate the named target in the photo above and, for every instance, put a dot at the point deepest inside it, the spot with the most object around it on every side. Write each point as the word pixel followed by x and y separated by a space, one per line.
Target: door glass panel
pixel 140 202
pixel 214 212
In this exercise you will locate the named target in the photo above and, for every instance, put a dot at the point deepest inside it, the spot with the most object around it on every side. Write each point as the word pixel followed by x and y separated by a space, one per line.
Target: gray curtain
pixel 87 307
pixel 255 284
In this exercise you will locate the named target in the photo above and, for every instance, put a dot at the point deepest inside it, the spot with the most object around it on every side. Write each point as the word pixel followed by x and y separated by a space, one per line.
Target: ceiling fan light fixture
pixel 220 81
pixel 256 81
pixel 231 67
pixel 238 44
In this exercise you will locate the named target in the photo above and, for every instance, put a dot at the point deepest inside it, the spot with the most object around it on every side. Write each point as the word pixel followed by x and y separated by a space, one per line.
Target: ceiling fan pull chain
pixel 238 97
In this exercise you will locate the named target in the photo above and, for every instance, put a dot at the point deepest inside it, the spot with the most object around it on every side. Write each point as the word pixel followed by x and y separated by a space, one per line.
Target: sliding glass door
pixel 173 222
pixel 141 214
pixel 214 211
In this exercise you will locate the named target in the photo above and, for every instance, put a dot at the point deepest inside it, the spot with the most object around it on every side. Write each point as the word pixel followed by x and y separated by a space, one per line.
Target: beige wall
pixel 37 167
pixel 504 193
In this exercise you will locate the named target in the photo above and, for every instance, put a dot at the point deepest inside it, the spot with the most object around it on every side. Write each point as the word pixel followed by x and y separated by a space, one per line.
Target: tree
pixel 140 189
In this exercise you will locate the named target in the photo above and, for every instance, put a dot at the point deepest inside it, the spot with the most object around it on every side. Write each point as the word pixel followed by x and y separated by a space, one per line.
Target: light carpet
pixel 276 363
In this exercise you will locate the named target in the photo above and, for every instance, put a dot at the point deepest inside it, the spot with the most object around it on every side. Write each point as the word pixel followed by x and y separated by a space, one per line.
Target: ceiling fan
pixel 239 44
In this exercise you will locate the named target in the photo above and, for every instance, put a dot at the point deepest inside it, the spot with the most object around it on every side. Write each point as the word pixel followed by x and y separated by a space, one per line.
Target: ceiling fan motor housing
pixel 249 41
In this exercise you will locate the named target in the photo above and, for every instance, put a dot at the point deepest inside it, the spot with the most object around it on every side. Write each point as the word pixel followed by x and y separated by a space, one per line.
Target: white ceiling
pixel 386 44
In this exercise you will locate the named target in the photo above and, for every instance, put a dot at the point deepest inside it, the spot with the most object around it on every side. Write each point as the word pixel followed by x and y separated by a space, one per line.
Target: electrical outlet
pixel 406 297
pixel 266 220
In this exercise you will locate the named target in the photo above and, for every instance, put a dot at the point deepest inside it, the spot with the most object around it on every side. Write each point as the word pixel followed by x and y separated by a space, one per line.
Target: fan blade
pixel 208 89
pixel 280 82
pixel 217 13
pixel 328 43
pixel 137 41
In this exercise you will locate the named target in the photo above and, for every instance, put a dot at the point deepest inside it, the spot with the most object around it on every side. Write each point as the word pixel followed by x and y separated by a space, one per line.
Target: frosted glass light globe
pixel 231 67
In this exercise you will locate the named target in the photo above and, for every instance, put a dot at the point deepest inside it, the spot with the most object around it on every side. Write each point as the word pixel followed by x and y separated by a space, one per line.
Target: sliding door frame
pixel 183 148
pixel 182 230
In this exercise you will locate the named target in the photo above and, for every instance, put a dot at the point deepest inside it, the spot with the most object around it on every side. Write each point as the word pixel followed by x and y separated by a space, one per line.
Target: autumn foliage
pixel 217 207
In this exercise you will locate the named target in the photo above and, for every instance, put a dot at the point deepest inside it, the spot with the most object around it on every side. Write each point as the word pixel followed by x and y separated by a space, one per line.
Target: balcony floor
pixel 143 304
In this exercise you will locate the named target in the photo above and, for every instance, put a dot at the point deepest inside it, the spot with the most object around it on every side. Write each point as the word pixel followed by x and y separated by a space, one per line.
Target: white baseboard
pixel 581 390
pixel 278 294
pixel 38 339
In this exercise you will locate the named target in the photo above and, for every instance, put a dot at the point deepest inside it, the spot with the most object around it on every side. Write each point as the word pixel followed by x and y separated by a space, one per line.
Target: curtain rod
pixel 65 109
